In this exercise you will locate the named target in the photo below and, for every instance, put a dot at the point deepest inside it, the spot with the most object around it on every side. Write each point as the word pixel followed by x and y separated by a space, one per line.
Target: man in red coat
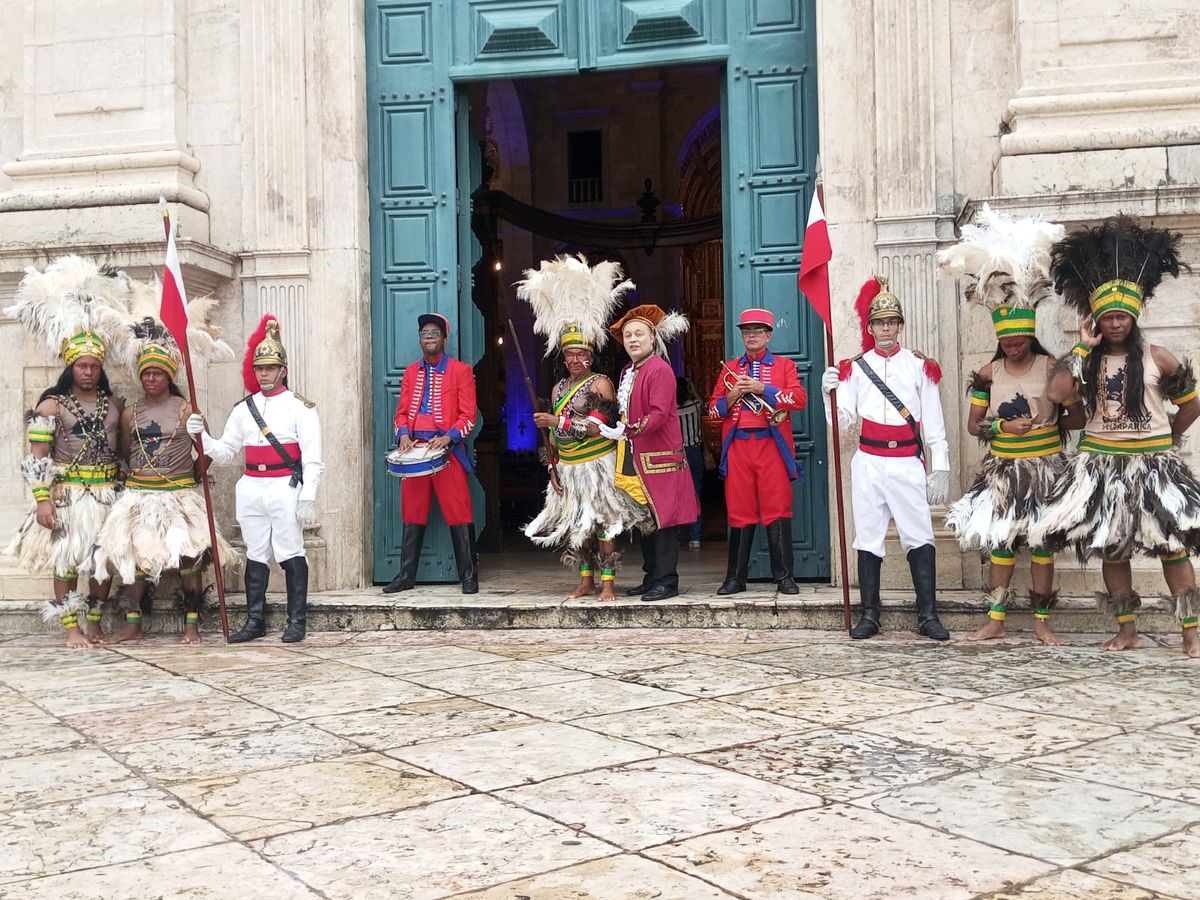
pixel 758 457
pixel 651 465
pixel 437 407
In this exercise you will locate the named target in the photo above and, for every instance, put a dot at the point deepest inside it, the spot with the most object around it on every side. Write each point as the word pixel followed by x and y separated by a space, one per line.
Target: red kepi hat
pixel 756 316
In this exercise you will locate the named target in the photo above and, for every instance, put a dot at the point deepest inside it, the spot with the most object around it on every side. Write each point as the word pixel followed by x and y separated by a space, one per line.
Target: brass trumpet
pixel 753 402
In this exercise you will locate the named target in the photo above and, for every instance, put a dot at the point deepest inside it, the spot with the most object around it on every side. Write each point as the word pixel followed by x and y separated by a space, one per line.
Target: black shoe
pixel 256 578
pixel 410 555
pixel 659 592
pixel 868 588
pixel 295 572
pixel 783 558
pixel 638 590
pixel 462 537
pixel 921 562
pixel 738 567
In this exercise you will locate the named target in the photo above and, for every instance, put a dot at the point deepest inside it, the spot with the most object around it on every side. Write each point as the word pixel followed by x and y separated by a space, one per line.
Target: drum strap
pixel 294 465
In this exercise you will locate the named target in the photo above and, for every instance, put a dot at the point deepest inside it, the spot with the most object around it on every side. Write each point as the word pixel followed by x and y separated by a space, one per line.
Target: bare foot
pixel 93 632
pixel 191 634
pixel 587 587
pixel 993 629
pixel 77 640
pixel 608 591
pixel 1126 638
pixel 127 632
pixel 1041 631
pixel 1191 642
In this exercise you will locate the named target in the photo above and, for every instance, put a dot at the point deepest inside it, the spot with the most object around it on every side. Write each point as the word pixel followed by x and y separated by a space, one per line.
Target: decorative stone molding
pixel 278 282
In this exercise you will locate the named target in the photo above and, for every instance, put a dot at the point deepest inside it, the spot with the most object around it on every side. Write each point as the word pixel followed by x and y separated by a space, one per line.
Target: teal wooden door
pixel 421 251
pixel 769 141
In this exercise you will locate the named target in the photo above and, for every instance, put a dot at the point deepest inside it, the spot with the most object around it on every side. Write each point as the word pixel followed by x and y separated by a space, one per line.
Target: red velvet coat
pixel 451 400
pixel 656 445
pixel 783 391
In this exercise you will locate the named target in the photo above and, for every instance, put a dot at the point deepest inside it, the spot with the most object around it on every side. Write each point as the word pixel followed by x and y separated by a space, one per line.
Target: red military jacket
pixel 450 402
pixel 783 391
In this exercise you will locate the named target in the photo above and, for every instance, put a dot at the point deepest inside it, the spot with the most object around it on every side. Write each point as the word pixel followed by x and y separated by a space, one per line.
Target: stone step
pixel 442 607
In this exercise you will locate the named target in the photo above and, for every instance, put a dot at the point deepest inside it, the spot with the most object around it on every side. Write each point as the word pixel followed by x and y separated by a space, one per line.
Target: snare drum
pixel 418 460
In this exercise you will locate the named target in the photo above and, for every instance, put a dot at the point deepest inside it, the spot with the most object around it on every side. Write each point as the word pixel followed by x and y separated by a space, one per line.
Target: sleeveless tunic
pixel 160 450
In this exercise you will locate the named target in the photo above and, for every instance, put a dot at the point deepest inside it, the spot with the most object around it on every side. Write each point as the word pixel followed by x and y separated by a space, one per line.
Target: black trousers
pixel 660 558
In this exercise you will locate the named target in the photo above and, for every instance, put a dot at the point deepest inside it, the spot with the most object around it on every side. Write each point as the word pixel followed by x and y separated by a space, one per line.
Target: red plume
pixel 862 306
pixel 256 338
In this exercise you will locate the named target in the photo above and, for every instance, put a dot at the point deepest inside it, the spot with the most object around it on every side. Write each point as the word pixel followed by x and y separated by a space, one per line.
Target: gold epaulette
pixel 309 403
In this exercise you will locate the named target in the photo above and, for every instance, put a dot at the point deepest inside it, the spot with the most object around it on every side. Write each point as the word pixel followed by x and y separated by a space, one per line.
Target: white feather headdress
pixel 1005 261
pixel 572 301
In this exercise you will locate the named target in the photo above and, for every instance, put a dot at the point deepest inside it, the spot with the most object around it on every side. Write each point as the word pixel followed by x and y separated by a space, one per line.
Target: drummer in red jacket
pixel 437 407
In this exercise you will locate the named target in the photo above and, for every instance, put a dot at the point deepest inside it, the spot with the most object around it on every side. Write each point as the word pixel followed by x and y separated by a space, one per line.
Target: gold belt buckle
pixel 892 445
pixel 261 467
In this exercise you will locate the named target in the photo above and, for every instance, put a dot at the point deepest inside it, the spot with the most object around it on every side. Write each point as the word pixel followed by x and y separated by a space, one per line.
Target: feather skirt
pixel 1006 497
pixel 590 502
pixel 68 547
pixel 1113 506
pixel 152 532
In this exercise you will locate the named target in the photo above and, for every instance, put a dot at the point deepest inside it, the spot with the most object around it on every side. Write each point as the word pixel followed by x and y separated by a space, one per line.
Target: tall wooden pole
pixel 202 459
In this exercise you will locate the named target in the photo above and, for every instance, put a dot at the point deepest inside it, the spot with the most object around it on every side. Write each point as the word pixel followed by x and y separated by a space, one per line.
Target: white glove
pixel 614 433
pixel 937 487
pixel 829 380
pixel 195 424
pixel 306 513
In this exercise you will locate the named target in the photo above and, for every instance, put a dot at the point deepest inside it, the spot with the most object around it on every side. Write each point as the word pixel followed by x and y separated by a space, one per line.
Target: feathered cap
pixel 875 301
pixel 158 348
pixel 666 325
pixel 572 301
pixel 1005 262
pixel 75 307
pixel 1113 266
pixel 264 348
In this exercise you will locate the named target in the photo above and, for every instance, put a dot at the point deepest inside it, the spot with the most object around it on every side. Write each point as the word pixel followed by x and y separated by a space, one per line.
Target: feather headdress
pixel 1006 265
pixel 572 301
pixel 72 303
pixel 203 337
pixel 1116 265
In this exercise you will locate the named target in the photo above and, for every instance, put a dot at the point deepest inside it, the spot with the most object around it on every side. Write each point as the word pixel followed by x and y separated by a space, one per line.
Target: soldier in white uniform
pixel 899 435
pixel 276 497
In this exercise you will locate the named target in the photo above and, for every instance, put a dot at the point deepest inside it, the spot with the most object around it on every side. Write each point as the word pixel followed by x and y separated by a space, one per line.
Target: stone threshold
pixel 444 607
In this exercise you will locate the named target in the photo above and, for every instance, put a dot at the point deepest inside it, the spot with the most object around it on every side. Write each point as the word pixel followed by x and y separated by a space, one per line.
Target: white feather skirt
pixel 1000 505
pixel 1112 506
pixel 152 532
pixel 68 547
pixel 590 502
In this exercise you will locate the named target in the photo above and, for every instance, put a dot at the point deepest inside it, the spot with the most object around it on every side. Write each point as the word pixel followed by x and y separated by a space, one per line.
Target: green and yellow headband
pixel 1014 321
pixel 572 337
pixel 1117 296
pixel 156 356
pixel 86 343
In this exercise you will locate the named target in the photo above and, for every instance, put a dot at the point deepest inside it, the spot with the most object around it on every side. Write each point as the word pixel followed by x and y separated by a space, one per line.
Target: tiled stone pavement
pixel 598 765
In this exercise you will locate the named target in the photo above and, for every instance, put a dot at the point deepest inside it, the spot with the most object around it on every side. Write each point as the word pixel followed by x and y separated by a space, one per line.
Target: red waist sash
pixel 887 440
pixel 264 462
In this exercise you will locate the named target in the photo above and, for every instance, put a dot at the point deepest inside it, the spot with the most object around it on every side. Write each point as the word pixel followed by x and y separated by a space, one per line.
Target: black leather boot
pixel 647 544
pixel 738 568
pixel 868 590
pixel 410 555
pixel 924 576
pixel 257 576
pixel 664 576
pixel 783 559
pixel 463 539
pixel 295 573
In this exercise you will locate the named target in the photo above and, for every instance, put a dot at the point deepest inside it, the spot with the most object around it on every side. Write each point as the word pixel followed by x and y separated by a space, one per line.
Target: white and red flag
pixel 173 310
pixel 814 262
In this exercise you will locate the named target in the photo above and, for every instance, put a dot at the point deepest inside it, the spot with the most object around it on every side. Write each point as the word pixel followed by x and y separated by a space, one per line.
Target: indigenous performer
pixel 585 511
pixel 893 391
pixel 1128 491
pixel 159 522
pixel 437 408
pixel 755 396
pixel 1005 263
pixel 651 466
pixel 72 467
pixel 276 497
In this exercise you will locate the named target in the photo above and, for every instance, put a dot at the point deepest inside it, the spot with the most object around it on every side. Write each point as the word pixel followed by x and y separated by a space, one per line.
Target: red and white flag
pixel 173 310
pixel 814 261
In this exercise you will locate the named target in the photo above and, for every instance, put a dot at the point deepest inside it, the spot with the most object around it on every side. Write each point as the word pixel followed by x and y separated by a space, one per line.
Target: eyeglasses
pixel 756 331
pixel 429 334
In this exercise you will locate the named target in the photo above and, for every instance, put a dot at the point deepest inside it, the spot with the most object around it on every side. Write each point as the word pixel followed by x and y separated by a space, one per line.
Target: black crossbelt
pixel 289 463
